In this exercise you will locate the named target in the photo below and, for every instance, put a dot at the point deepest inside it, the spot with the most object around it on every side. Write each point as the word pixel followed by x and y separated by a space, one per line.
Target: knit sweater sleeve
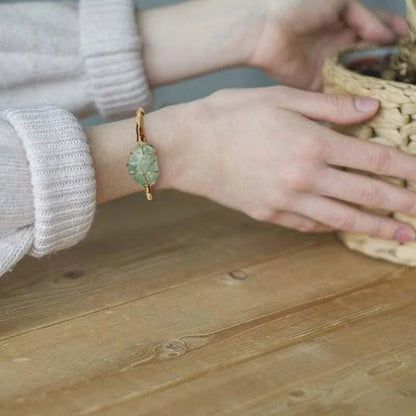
pixel 47 198
pixel 82 56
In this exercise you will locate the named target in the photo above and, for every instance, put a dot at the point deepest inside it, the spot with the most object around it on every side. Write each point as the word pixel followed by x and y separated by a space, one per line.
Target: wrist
pixel 188 156
pixel 268 49
pixel 111 144
pixel 165 130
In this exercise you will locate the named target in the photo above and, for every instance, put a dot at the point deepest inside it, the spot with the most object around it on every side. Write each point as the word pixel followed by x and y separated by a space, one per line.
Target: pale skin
pixel 260 151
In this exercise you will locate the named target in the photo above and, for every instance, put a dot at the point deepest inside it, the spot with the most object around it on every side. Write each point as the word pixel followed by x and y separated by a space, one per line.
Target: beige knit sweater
pixel 57 57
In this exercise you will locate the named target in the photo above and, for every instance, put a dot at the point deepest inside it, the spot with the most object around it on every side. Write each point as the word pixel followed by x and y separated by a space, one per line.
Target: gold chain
pixel 142 139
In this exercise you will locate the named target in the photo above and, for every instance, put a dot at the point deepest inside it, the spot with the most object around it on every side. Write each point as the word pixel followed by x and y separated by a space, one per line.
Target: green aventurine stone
pixel 143 165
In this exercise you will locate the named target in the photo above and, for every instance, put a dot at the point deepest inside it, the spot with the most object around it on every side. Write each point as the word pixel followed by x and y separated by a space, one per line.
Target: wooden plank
pixel 360 362
pixel 97 361
pixel 128 256
pixel 331 374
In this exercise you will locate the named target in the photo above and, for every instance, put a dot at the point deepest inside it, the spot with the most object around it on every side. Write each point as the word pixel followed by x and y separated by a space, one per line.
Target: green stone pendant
pixel 143 165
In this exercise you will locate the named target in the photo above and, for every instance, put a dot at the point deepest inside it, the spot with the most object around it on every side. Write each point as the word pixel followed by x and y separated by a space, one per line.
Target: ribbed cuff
pixel 62 176
pixel 111 49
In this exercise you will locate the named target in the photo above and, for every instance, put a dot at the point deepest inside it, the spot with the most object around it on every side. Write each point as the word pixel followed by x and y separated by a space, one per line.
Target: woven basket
pixel 394 125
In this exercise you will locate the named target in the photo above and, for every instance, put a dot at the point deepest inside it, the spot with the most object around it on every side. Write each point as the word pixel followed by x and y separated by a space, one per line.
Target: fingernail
pixel 404 235
pixel 365 104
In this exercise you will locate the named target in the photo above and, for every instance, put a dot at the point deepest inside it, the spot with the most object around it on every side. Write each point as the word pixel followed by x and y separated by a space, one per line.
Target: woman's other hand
pixel 297 35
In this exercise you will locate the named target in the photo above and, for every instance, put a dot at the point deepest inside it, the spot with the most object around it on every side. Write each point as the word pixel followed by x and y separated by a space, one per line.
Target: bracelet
pixel 142 165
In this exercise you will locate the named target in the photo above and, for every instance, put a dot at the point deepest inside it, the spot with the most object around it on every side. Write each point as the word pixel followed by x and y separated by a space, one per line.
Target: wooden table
pixel 192 309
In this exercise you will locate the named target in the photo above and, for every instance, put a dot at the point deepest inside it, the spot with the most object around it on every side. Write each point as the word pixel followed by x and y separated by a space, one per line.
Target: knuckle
pixel 376 228
pixel 345 223
pixel 298 180
pixel 281 200
pixel 371 196
pixel 381 160
pixel 313 147
pixel 409 205
pixel 308 227
pixel 337 102
pixel 323 229
pixel 263 214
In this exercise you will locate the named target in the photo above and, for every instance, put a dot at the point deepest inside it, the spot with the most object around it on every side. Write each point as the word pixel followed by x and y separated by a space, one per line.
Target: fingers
pixel 333 108
pixel 349 152
pixel 395 22
pixel 366 24
pixel 366 191
pixel 346 218
pixel 300 223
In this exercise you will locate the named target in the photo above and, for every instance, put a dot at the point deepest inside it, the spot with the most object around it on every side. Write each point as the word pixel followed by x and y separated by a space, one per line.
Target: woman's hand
pixel 287 38
pixel 298 35
pixel 258 151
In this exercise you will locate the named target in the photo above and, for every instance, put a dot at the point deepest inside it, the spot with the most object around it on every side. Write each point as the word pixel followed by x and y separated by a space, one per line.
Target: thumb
pixel 338 109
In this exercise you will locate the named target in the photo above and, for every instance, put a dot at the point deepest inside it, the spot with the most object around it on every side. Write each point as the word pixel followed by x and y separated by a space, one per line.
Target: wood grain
pixel 202 311
pixel 126 258
pixel 320 371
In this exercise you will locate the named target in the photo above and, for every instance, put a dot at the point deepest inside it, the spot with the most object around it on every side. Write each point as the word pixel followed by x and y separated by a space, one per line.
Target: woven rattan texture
pixel 394 125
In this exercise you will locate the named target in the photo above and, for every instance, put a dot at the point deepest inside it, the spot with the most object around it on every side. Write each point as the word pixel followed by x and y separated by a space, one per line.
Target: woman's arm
pixel 90 55
pixel 258 151
pixel 194 37
pixel 288 39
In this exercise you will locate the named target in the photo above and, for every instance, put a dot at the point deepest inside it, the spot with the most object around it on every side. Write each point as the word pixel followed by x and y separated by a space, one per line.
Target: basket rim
pixel 336 58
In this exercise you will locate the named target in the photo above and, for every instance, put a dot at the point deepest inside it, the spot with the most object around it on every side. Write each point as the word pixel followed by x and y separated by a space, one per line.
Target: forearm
pixel 199 36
